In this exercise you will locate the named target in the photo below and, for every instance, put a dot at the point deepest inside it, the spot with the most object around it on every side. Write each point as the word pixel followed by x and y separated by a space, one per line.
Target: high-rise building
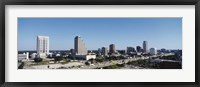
pixel 81 51
pixel 145 47
pixel 79 46
pixel 104 51
pixel 153 51
pixel 163 50
pixel 125 51
pixel 130 49
pixel 42 46
pixel 72 51
pixel 99 51
pixel 112 48
pixel 139 49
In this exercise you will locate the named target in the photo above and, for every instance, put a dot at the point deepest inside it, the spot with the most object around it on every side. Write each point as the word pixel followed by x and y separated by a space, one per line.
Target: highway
pixel 113 62
pixel 81 64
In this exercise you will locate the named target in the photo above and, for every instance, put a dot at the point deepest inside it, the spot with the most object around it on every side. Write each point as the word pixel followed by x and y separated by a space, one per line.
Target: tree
pixel 87 63
pixel 111 67
pixel 74 58
pixel 21 65
pixel 99 60
pixel 120 57
pixel 59 58
pixel 92 61
pixel 37 60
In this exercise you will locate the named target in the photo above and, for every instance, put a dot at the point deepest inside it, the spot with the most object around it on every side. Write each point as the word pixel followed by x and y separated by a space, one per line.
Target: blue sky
pixel 99 32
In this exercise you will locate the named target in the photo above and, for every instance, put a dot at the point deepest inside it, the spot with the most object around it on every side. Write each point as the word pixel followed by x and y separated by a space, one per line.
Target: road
pixel 108 63
pixel 81 64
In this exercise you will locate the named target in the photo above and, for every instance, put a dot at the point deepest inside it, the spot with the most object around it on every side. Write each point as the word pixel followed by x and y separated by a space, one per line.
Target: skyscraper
pixel 163 50
pixel 42 46
pixel 112 48
pixel 99 52
pixel 104 51
pixel 79 46
pixel 130 49
pixel 145 47
pixel 153 51
pixel 139 49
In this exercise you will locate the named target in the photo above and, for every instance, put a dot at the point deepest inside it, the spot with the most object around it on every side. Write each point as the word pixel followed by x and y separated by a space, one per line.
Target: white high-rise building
pixel 79 46
pixel 42 46
pixel 145 47
pixel 153 51
pixel 81 50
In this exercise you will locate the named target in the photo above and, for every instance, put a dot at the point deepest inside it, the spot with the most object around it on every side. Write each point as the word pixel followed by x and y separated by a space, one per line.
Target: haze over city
pixel 101 32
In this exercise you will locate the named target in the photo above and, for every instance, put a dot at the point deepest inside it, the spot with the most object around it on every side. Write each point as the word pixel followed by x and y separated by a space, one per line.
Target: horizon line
pixel 93 49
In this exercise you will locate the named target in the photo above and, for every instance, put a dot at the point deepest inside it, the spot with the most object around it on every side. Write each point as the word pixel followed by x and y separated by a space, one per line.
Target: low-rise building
pixel 24 56
pixel 33 55
pixel 85 57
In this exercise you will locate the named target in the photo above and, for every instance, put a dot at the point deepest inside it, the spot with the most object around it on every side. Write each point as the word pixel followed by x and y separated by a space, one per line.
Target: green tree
pixel 92 61
pixel 38 60
pixel 120 57
pixel 87 63
pixel 21 65
pixel 59 58
pixel 99 60
pixel 111 67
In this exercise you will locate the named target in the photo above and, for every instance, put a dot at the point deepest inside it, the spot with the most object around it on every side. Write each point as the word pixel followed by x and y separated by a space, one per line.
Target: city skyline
pixel 101 32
